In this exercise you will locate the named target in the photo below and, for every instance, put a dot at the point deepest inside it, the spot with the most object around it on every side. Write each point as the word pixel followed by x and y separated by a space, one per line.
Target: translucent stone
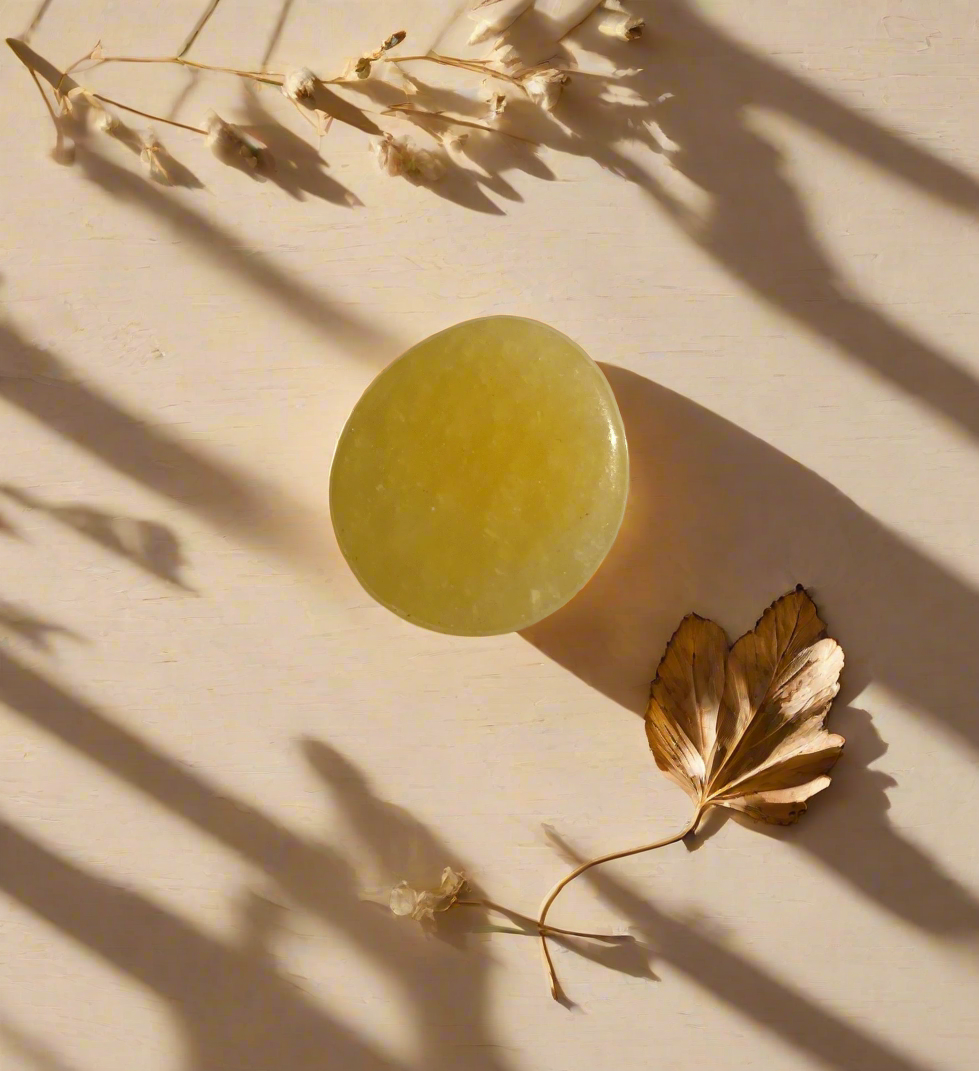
pixel 482 477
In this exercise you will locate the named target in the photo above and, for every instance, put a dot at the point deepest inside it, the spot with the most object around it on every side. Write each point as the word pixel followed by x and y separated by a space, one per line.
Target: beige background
pixel 211 740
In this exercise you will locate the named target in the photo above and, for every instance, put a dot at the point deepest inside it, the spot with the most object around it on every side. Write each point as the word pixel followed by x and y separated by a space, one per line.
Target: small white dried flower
pixel 495 100
pixel 106 121
pixel 226 141
pixel 623 26
pixel 362 66
pixel 299 84
pixel 544 86
pixel 421 905
pixel 152 155
pixel 389 155
pixel 398 156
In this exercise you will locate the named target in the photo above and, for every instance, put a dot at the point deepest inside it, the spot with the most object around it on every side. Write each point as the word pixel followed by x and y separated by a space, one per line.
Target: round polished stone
pixel 482 477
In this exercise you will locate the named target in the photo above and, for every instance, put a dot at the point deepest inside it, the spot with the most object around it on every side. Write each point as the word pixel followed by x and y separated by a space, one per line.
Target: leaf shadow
pixel 720 523
pixel 149 545
pixel 16 621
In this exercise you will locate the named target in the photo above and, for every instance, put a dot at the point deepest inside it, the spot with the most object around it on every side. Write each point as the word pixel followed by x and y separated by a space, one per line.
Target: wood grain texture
pixel 211 741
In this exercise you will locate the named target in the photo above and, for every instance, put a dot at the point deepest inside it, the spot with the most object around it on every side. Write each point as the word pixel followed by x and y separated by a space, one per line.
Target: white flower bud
pixel 299 84
pixel 390 155
pixel 425 164
pixel 455 142
pixel 544 86
pixel 495 100
pixel 152 155
pixel 227 141
pixel 398 156
pixel 106 121
pixel 623 26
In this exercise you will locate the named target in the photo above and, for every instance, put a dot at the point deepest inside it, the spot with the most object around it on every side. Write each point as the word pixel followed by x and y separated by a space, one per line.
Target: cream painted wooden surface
pixel 211 740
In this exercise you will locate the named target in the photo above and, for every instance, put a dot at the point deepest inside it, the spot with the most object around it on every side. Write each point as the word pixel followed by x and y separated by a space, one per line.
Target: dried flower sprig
pixel 363 65
pixel 503 75
pixel 423 905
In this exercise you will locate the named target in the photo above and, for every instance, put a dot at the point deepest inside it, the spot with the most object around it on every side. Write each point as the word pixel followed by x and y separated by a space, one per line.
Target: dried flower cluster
pixel 421 904
pixel 399 156
pixel 503 75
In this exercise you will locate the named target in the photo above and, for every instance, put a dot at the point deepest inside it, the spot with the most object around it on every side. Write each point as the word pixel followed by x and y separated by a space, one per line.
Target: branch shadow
pixel 779 1008
pixel 149 545
pixel 720 523
pixel 41 385
pixel 40 1056
pixel 237 1012
pixel 694 92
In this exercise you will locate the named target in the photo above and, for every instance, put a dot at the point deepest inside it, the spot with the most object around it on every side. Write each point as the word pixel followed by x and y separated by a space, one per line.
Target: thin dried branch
pixel 413 112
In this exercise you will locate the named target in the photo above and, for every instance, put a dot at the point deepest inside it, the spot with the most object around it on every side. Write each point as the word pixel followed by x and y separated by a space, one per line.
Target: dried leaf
pixel 743 728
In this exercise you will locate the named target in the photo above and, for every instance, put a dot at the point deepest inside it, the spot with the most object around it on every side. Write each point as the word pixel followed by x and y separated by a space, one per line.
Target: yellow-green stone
pixel 482 477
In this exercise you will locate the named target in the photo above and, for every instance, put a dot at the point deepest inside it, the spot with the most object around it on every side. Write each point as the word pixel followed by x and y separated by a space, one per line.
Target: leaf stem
pixel 533 922
pixel 567 879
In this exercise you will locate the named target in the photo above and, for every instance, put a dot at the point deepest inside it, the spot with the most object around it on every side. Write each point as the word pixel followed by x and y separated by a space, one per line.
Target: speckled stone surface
pixel 482 477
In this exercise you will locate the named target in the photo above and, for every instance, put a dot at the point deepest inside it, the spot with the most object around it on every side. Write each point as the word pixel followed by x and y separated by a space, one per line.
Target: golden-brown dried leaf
pixel 744 728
